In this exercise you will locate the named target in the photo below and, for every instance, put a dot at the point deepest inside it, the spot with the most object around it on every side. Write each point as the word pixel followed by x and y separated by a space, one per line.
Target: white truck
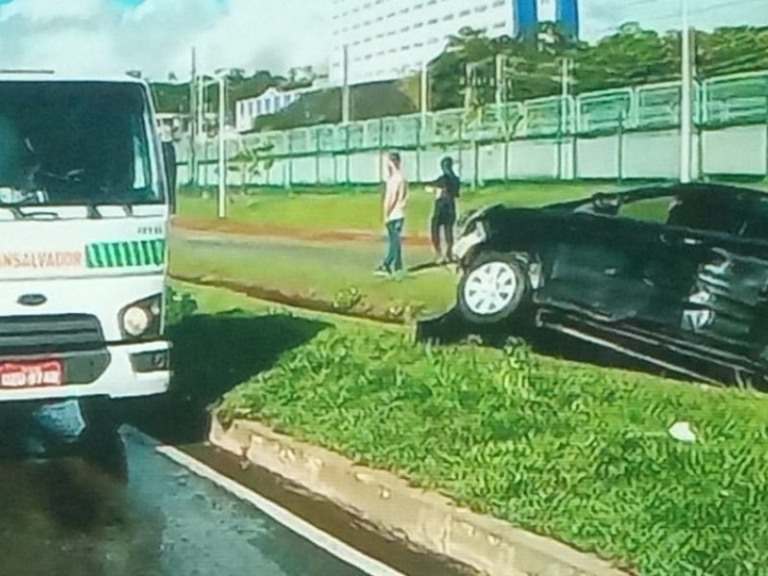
pixel 84 217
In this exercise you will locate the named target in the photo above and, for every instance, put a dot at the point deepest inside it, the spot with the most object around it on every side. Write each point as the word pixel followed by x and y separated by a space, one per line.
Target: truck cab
pixel 84 216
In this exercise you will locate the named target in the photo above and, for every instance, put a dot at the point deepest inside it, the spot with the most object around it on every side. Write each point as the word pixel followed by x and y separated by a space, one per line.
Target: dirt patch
pixel 293 300
pixel 273 231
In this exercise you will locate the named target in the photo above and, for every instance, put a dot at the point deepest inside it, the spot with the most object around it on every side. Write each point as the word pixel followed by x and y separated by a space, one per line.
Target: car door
pixel 598 267
pixel 714 277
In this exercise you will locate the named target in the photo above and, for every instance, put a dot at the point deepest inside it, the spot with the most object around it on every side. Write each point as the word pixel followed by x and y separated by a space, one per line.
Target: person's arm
pixel 436 185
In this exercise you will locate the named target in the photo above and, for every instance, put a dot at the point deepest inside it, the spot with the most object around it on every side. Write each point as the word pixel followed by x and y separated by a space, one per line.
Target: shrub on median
pixel 178 306
pixel 577 453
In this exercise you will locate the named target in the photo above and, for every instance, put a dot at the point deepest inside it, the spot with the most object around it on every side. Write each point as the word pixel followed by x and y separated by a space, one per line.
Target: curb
pixel 428 520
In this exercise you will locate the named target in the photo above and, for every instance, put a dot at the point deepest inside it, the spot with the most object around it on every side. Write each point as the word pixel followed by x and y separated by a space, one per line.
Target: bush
pixel 178 306
pixel 574 452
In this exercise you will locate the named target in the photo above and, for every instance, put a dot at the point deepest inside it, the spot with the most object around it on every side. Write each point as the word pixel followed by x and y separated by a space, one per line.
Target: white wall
pixel 738 150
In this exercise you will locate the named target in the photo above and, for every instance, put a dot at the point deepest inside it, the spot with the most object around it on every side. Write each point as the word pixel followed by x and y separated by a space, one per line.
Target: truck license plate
pixel 31 374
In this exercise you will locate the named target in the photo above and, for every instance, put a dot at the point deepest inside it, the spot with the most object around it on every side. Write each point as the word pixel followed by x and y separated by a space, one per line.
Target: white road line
pixel 301 527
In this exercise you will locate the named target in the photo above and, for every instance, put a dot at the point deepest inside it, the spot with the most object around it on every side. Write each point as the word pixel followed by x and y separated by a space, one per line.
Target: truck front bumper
pixel 117 371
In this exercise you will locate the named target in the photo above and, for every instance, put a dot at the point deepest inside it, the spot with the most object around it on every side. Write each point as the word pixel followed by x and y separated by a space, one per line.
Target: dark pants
pixel 394 257
pixel 443 219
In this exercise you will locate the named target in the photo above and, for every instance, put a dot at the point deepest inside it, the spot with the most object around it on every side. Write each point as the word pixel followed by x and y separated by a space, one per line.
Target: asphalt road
pixel 68 517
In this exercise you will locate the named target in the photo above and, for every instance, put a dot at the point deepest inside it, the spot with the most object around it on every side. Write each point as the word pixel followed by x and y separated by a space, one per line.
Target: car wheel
pixel 492 288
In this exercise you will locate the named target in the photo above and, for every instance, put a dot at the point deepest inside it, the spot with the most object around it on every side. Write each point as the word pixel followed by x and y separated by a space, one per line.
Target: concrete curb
pixel 425 519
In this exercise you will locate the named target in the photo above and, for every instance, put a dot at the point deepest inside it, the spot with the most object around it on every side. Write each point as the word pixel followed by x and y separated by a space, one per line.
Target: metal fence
pixel 718 103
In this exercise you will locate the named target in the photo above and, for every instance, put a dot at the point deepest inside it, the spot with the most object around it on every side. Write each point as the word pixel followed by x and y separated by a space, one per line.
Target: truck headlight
pixel 142 319
pixel 135 321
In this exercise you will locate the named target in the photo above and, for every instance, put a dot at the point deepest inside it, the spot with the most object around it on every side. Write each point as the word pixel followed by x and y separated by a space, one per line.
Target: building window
pixel 481 8
pixel 448 17
pixel 405 29
pixel 405 48
pixel 464 13
pixel 405 11
pixel 500 25
pixel 499 3
pixel 432 21
pixel 418 25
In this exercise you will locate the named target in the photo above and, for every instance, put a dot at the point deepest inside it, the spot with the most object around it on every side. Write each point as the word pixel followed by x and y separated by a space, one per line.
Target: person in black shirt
pixel 446 190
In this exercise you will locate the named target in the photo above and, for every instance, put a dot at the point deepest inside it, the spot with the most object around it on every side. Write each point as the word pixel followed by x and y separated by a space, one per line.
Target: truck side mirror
pixel 169 160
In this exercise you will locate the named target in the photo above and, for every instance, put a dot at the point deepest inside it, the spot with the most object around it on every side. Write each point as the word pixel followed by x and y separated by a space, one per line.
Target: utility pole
pixel 564 97
pixel 424 92
pixel 201 106
pixel 469 87
pixel 345 87
pixel 686 116
pixel 500 61
pixel 222 148
pixel 193 121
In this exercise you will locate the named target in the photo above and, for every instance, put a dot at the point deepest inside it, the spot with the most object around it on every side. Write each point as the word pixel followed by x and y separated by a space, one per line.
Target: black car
pixel 675 274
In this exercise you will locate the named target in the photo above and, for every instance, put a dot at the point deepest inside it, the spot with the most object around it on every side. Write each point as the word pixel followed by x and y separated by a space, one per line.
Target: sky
pixel 156 36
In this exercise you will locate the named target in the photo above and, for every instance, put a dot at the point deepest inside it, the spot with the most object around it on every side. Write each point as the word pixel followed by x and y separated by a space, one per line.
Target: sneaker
pixel 383 271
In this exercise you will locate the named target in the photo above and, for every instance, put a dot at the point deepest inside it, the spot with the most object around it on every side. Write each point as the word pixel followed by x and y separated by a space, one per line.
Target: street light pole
pixel 424 93
pixel 686 116
pixel 222 150
pixel 345 100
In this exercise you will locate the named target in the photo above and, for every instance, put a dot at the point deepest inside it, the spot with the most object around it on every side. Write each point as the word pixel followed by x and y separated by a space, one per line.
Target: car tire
pixel 493 287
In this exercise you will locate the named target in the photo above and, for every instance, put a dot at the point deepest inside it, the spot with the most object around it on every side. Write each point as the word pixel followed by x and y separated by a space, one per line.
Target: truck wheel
pixel 492 288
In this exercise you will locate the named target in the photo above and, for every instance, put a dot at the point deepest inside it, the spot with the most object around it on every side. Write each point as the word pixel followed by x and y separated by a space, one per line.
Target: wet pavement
pixel 69 517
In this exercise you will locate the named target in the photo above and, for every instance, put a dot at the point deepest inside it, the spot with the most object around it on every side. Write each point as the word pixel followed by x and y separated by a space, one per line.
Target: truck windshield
pixel 76 143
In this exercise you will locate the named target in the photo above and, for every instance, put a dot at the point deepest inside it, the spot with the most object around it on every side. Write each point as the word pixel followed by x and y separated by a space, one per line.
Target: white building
pixel 388 39
pixel 270 102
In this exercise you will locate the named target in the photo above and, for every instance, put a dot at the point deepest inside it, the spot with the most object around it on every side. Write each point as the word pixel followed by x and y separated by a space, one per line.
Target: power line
pixel 676 14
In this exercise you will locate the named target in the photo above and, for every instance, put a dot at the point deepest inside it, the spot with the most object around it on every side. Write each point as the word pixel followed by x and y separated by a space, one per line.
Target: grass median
pixel 572 451
pixel 334 276
pixel 343 209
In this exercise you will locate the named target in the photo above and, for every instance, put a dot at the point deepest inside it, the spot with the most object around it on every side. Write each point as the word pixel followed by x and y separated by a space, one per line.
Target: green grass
pixel 350 210
pixel 340 274
pixel 575 452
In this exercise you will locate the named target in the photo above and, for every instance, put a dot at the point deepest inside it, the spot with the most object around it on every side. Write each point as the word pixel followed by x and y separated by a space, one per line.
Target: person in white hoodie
pixel 395 198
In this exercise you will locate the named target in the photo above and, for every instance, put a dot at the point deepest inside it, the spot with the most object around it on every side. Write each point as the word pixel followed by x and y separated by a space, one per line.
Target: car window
pixel 756 226
pixel 647 210
pixel 710 213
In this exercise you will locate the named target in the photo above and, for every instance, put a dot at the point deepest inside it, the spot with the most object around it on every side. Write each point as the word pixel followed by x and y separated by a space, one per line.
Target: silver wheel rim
pixel 490 288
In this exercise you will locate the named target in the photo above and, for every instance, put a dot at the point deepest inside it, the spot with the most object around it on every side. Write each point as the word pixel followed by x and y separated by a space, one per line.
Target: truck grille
pixel 31 335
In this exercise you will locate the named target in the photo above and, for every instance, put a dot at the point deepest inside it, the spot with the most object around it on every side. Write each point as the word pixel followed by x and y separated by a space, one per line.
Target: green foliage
pixel 178 306
pixel 375 100
pixel 630 56
pixel 347 299
pixel 574 452
pixel 251 162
